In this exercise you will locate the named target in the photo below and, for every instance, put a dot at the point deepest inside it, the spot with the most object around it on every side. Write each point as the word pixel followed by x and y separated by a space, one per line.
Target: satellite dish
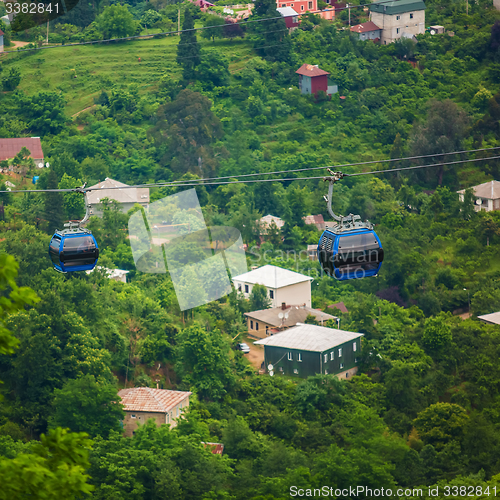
pixel 286 316
pixel 40 165
pixel 270 367
pixel 47 164
pixel 433 32
pixel 479 201
pixel 271 373
pixel 280 315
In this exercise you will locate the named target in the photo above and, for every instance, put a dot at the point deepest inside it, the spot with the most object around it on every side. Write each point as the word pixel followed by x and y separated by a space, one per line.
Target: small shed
pixel 436 30
pixel 492 319
pixel 291 17
pixel 367 31
pixel 312 79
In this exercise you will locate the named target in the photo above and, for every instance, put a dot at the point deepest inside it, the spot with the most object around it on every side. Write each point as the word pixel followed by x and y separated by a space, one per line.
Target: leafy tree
pixel 12 80
pixel 440 423
pixel 185 132
pixel 437 334
pixel 150 17
pixel 272 41
pixel 202 361
pixel 188 50
pixel 54 468
pixel 44 112
pixel 259 299
pixel 87 405
pixel 116 22
pixel 54 203
pixel 214 25
pixel 213 70
pixel 74 203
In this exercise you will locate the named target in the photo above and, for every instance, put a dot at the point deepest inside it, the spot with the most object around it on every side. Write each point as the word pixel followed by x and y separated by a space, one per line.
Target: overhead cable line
pixel 343 165
pixel 194 183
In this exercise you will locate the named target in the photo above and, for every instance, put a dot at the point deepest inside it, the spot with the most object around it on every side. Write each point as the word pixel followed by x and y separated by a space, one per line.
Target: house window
pixel 251 325
pixel 325 357
pixel 347 375
pixel 398 18
pixel 326 372
pixel 283 4
pixel 295 371
pixel 271 294
pixel 310 5
pixel 281 368
pixel 267 330
pixel 246 288
pixel 132 416
pixel 168 418
pixel 331 356
pixel 290 356
pixel 356 360
pixel 411 16
pixel 354 346
pixel 177 412
pixel 340 352
pixel 301 7
pixel 341 365
pixel 397 30
pixel 256 325
pixel 239 287
pixel 299 357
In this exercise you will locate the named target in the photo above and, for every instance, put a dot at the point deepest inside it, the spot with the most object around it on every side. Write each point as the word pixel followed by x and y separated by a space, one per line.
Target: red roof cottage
pixel 312 80
pixel 291 17
pixel 10 147
pixel 142 403
pixel 367 31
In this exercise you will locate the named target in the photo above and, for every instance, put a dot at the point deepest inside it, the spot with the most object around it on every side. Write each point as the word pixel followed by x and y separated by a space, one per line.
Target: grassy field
pixel 82 72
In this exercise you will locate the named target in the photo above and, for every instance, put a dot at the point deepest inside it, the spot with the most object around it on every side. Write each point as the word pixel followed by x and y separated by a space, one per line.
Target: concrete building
pixel 111 189
pixel 306 350
pixel 312 79
pixel 282 285
pixel 398 17
pixel 487 196
pixel 266 222
pixel 10 147
pixel 270 321
pixel 142 403
pixel 367 31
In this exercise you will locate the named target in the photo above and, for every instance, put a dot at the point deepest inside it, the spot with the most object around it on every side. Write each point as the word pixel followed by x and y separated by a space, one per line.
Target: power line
pixel 250 181
pixel 174 32
pixel 389 160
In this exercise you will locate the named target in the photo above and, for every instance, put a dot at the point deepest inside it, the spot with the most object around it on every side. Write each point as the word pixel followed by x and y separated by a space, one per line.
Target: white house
pixel 112 274
pixel 283 286
pixel 397 18
pixel 118 191
pixel 487 196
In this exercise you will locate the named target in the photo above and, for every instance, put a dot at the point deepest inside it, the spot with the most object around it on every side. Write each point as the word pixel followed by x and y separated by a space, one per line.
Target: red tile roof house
pixel 312 80
pixel 367 31
pixel 10 147
pixel 142 403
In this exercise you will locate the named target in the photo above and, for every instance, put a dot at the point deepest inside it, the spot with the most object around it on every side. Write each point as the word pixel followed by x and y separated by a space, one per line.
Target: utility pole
pixel 349 11
pixel 179 21
pixel 47 40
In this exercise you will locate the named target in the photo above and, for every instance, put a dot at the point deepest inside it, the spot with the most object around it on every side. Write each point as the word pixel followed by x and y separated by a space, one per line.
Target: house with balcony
pixel 397 18
pixel 487 196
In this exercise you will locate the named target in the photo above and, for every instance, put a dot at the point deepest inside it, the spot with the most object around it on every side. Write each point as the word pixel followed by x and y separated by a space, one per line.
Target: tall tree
pixel 272 39
pixel 188 50
pixel 54 204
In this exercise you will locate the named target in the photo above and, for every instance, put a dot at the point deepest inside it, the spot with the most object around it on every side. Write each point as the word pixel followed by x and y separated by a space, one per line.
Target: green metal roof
pixel 397 6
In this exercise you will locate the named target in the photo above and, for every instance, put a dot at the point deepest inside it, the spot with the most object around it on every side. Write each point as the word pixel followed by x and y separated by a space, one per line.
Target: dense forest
pixel 424 409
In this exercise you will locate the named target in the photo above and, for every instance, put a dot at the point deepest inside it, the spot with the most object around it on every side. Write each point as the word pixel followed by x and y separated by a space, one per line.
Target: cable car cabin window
pixel 359 250
pixel 54 250
pixel 78 251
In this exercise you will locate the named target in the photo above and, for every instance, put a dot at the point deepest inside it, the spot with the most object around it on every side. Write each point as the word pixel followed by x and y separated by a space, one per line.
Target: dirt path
pixel 256 354
pixel 18 44
pixel 86 109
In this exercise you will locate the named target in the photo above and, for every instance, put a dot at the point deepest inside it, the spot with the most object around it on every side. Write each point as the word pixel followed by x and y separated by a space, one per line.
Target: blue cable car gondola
pixel 74 248
pixel 350 249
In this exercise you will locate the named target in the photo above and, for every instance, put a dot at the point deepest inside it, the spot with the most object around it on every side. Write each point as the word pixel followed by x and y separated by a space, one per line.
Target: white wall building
pixel 487 196
pixel 282 285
